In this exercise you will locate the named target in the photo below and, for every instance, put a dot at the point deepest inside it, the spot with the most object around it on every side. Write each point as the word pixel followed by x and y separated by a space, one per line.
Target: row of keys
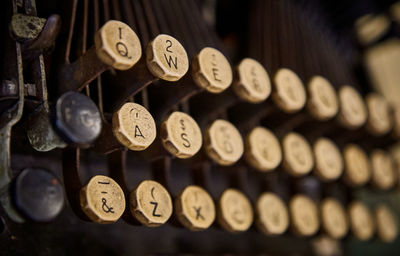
pixel 150 203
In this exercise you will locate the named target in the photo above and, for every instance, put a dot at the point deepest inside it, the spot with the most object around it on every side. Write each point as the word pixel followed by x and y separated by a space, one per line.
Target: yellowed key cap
pixel 361 220
pixel 151 203
pixel 252 83
pixel 289 93
pixel 181 135
pixel 322 101
pixel 386 224
pixel 211 70
pixel 166 58
pixel 383 172
pixel 235 212
pixel 272 214
pixel 118 45
pixel 357 170
pixel 298 158
pixel 134 126
pixel 195 208
pixel 328 160
pixel 304 215
pixel 223 142
pixel 334 218
pixel 379 120
pixel 353 112
pixel 263 150
pixel 102 199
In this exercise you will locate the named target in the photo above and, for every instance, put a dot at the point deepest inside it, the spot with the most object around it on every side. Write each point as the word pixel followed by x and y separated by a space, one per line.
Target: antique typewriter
pixel 188 127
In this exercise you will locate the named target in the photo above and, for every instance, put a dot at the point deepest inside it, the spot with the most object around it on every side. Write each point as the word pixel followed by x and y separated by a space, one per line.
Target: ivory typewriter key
pixel 195 208
pixel 211 70
pixel 353 112
pixel 328 160
pixel 323 102
pixel 361 220
pixel 386 224
pixel 235 212
pixel 134 126
pixel 357 166
pixel 151 203
pixel 118 45
pixel 272 214
pixel 289 93
pixel 166 58
pixel 263 150
pixel 223 142
pixel 253 83
pixel 383 172
pixel 396 121
pixel 304 215
pixel 334 218
pixel 181 135
pixel 379 120
pixel 102 199
pixel 297 155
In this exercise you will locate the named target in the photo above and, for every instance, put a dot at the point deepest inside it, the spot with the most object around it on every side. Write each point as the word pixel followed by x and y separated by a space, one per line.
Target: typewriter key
pixel 151 203
pixel 235 212
pixel 166 58
pixel 223 142
pixel 263 151
pixel 211 70
pixel 379 120
pixel 252 83
pixel 383 172
pixel 297 155
pixel 134 126
pixel 353 112
pixel 304 215
pixel 386 224
pixel 195 208
pixel 117 45
pixel 334 218
pixel 361 220
pixel 328 160
pixel 395 12
pixel 289 93
pixel 396 121
pixel 102 200
pixel 357 166
pixel 181 135
pixel 322 103
pixel 272 214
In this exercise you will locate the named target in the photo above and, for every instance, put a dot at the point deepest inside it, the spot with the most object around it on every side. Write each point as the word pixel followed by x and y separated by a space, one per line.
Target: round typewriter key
pixel 134 126
pixel 166 58
pixel 263 150
pixel 102 199
pixel 379 120
pixel 211 70
pixel 272 214
pixel 334 218
pixel 235 212
pixel 195 208
pixel 357 166
pixel 353 112
pixel 323 103
pixel 383 172
pixel 297 155
pixel 304 215
pixel 395 12
pixel 328 160
pixel 151 203
pixel 223 142
pixel 38 194
pixel 181 135
pixel 289 93
pixel 252 84
pixel 396 121
pixel 77 118
pixel 118 45
pixel 361 220
pixel 386 224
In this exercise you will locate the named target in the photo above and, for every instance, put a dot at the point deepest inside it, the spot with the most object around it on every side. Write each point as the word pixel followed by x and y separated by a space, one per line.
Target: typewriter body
pixel 187 127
